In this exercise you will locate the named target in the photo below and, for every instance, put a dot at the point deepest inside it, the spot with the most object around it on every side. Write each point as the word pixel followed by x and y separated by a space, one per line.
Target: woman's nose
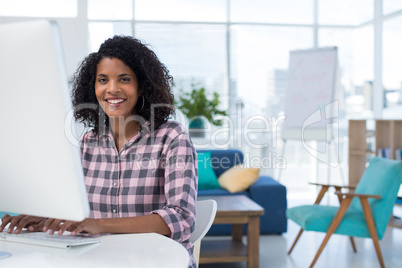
pixel 113 86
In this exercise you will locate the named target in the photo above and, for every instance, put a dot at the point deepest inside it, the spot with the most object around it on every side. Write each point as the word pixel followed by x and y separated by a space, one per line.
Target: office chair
pixel 362 213
pixel 206 211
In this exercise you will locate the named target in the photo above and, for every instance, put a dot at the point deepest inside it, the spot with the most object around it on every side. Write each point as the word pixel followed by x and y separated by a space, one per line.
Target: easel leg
pixel 329 162
pixel 282 155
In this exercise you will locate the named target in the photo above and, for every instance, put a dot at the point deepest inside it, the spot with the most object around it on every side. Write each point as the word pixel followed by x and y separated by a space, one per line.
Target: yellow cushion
pixel 238 178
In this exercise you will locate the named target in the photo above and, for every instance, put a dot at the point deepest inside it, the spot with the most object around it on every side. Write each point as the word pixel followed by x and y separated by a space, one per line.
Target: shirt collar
pixel 106 134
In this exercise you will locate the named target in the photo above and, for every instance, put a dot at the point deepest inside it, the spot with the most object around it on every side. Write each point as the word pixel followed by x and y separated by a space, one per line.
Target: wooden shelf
pixel 357 150
pixel 395 222
pixel 388 134
pixel 219 251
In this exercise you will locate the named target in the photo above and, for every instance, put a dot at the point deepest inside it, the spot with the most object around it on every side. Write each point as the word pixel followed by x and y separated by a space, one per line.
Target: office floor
pixel 337 253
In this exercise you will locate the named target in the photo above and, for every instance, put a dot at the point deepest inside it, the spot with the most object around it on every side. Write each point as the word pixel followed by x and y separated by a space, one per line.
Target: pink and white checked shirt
pixel 155 172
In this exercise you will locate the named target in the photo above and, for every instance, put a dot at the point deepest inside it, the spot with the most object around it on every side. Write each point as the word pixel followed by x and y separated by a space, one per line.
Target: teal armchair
pixel 362 213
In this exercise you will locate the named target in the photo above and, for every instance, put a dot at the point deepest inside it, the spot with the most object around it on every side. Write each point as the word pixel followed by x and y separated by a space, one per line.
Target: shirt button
pixel 115 183
pixel 114 210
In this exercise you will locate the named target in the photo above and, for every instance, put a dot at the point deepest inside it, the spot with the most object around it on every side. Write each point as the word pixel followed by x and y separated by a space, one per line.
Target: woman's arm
pixel 152 223
pixel 180 186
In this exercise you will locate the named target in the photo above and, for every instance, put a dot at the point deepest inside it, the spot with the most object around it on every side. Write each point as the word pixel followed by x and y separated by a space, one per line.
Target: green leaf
pixel 196 103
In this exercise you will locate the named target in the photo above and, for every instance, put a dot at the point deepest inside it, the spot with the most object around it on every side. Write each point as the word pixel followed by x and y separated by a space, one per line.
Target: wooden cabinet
pixel 387 137
pixel 357 150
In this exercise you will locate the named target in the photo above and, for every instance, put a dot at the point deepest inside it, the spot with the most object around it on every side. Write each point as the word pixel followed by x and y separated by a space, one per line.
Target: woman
pixel 139 168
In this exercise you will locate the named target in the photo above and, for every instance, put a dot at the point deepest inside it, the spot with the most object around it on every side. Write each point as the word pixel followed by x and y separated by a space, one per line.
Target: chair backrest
pixel 205 215
pixel 382 177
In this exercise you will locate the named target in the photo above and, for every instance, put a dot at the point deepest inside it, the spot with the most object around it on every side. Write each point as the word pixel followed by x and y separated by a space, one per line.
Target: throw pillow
pixel 207 178
pixel 238 178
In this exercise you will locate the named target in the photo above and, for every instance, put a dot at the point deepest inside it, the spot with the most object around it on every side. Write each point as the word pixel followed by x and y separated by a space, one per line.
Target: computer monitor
pixel 40 169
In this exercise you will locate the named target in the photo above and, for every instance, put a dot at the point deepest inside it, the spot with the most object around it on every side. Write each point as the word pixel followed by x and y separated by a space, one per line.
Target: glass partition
pixel 391 6
pixel 39 8
pixel 181 10
pixel 110 10
pixel 345 12
pixel 392 67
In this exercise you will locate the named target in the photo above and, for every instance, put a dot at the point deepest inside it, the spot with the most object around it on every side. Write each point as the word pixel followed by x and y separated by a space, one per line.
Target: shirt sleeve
pixel 181 176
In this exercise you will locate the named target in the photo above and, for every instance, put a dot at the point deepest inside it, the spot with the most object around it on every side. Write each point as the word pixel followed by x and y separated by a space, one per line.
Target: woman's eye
pixel 102 80
pixel 125 79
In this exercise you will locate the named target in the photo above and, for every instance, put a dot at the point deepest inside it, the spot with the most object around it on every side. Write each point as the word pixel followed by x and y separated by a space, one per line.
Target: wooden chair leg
pixel 332 227
pixel 371 227
pixel 378 251
pixel 352 241
pixel 294 243
pixel 321 194
pixel 328 235
pixel 196 252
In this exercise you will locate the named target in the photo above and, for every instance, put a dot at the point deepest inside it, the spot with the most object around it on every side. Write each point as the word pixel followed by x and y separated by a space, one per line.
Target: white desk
pixel 129 250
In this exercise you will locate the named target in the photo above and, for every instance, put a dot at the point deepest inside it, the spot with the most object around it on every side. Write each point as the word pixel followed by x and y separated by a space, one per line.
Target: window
pixel 259 62
pixel 181 10
pixel 355 56
pixel 345 12
pixel 392 68
pixel 390 6
pixel 110 10
pixel 100 31
pixel 261 54
pixel 39 8
pixel 272 11
pixel 192 53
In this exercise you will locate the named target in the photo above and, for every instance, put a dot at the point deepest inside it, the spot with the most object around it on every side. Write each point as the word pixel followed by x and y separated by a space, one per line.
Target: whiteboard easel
pixel 310 87
pixel 310 104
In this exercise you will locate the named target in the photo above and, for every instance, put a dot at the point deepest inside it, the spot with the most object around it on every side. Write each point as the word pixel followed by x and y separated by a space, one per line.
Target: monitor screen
pixel 40 169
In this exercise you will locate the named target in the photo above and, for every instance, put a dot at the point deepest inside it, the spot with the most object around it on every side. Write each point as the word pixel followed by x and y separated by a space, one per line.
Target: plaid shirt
pixel 155 172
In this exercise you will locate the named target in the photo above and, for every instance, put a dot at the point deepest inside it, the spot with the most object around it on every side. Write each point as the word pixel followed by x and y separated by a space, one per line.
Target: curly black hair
pixel 154 82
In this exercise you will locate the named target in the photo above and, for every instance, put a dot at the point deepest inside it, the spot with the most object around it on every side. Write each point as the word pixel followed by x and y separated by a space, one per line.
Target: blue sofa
pixel 266 191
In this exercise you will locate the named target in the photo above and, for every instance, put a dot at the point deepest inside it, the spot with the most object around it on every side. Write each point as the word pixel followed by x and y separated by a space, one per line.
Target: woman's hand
pixel 91 226
pixel 33 223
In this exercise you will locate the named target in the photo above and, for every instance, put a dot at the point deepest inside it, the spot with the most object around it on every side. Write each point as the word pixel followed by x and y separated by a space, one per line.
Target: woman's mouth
pixel 115 102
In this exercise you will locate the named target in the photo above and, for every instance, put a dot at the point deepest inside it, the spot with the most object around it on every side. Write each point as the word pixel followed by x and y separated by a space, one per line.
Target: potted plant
pixel 198 108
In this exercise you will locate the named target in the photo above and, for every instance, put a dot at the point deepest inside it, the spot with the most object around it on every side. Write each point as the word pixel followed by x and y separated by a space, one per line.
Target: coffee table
pixel 236 210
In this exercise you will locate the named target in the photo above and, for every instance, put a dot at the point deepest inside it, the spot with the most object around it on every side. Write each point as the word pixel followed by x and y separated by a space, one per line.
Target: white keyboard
pixel 45 239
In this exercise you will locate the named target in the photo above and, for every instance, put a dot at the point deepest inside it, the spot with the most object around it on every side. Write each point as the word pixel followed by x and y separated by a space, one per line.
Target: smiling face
pixel 116 87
